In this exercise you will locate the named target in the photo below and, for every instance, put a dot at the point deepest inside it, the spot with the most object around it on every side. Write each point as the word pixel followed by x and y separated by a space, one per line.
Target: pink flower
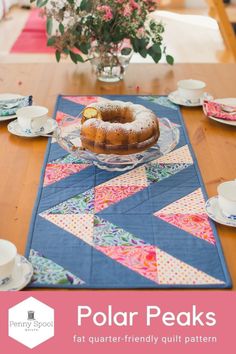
pixel 107 12
pixel 135 6
pixel 127 10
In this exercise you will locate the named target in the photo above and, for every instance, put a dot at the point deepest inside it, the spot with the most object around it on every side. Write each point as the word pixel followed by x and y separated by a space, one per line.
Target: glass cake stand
pixel 67 135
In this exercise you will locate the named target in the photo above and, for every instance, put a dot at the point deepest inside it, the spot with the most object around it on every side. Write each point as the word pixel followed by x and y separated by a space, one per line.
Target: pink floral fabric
pixel 60 116
pixel 196 224
pixel 107 195
pixel 56 172
pixel 84 100
pixel 214 109
pixel 141 259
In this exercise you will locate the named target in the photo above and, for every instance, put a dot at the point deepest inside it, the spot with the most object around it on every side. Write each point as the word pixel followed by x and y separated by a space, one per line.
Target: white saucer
pixel 21 276
pixel 14 128
pixel 5 97
pixel 214 212
pixel 226 101
pixel 175 98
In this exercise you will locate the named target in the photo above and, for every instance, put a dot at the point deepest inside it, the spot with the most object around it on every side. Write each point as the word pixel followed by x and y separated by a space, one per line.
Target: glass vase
pixel 109 61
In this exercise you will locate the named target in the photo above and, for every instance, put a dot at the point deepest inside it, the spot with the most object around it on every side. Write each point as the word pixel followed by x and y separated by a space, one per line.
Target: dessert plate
pixel 21 276
pixel 175 98
pixel 229 102
pixel 14 128
pixel 5 97
pixel 68 137
pixel 214 212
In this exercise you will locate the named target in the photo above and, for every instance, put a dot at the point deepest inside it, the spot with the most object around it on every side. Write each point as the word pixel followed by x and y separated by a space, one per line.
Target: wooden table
pixel 21 159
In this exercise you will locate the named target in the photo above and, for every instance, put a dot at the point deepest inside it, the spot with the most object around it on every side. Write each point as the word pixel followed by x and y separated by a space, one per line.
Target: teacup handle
pixel 31 126
pixel 28 125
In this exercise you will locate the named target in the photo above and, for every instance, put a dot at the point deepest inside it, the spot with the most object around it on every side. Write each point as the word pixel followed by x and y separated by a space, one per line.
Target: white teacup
pixel 227 198
pixel 8 253
pixel 32 119
pixel 192 90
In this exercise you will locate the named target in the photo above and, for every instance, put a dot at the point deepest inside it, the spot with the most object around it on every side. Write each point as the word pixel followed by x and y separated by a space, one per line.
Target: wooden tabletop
pixel 21 159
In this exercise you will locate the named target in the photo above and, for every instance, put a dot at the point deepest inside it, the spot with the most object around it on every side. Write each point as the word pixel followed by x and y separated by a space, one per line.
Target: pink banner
pixel 117 322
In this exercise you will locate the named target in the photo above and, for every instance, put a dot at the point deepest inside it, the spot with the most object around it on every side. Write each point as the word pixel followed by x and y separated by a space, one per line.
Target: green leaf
pixel 83 47
pixel 58 55
pixel 155 52
pixel 143 52
pixel 126 51
pixel 51 41
pixel 156 48
pixel 139 44
pixel 71 2
pixel 61 28
pixel 86 5
pixel 49 25
pixel 83 5
pixel 135 44
pixel 142 43
pixel 106 36
pixel 76 57
pixel 156 57
pixel 117 36
pixel 170 60
pixel 41 3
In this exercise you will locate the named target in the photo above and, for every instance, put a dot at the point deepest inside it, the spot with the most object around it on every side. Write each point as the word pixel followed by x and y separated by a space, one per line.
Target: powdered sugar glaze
pixel 143 117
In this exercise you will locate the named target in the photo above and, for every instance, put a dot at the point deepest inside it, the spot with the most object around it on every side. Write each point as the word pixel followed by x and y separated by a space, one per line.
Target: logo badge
pixel 31 316
pixel 31 322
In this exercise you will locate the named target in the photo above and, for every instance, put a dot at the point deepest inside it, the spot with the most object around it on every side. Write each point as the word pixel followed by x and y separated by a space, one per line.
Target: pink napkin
pixel 214 109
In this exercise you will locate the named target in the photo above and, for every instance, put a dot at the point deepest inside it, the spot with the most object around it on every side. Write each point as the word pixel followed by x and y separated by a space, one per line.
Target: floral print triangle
pixel 158 172
pixel 140 259
pixel 57 172
pixel 81 203
pixel 188 214
pixel 108 234
pixel 71 159
pixel 196 224
pixel 49 272
pixel 162 101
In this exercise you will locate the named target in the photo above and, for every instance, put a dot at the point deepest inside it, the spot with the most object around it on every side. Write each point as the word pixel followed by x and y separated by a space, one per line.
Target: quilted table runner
pixel 145 228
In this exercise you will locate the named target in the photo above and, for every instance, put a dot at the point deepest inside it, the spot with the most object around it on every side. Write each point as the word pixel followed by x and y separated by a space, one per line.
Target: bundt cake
pixel 119 128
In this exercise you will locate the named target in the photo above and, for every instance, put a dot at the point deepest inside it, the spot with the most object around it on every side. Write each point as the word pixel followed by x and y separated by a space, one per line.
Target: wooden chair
pixel 218 11
pixel 173 4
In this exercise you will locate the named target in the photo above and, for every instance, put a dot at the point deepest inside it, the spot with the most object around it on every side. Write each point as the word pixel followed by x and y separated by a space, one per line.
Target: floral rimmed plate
pixel 5 97
pixel 227 102
pixel 214 212
pixel 175 98
pixel 15 129
pixel 21 276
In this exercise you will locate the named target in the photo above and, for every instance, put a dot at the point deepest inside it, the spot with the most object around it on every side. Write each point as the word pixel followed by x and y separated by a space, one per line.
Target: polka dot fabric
pixel 173 271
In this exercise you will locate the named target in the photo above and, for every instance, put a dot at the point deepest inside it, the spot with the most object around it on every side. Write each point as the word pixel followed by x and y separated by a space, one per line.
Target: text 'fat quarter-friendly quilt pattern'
pixel 143 228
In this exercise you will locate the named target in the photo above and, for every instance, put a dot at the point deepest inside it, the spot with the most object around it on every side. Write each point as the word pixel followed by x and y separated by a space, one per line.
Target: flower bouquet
pixel 105 32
